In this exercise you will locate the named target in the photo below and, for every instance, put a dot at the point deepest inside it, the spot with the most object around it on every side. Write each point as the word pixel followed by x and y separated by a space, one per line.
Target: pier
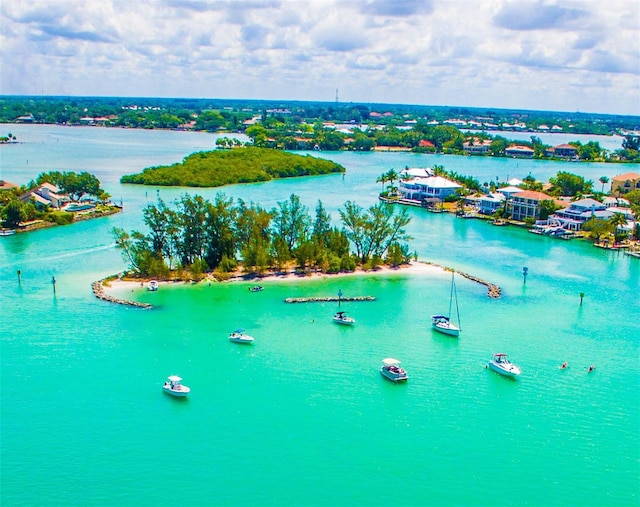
pixel 493 291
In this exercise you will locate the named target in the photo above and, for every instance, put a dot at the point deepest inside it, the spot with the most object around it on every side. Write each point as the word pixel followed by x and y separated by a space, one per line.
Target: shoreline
pixel 105 288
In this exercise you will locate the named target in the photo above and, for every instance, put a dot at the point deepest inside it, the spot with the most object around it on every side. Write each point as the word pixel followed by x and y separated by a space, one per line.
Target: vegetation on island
pixel 17 206
pixel 198 236
pixel 225 167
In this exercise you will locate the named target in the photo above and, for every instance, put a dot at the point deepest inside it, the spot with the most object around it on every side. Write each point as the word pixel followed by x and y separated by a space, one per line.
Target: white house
pixel 432 187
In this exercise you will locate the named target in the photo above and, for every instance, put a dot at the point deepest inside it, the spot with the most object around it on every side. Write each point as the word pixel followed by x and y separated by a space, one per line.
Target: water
pixel 303 417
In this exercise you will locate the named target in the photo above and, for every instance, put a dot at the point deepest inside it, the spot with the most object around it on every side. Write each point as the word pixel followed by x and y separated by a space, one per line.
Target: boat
pixel 391 369
pixel 500 364
pixel 174 387
pixel 256 288
pixel 153 285
pixel 442 323
pixel 499 222
pixel 239 336
pixel 7 232
pixel 342 318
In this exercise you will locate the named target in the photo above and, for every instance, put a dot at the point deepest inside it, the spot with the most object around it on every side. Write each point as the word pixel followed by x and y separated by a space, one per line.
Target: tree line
pixel 197 236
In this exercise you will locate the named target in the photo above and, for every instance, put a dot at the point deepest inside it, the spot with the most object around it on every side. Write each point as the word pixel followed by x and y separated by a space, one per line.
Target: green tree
pixel 14 213
pixel 291 221
pixel 604 180
pixel 597 228
pixel 617 220
pixel 569 184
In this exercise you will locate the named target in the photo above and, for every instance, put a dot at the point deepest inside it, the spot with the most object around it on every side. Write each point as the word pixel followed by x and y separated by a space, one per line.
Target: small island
pixel 238 165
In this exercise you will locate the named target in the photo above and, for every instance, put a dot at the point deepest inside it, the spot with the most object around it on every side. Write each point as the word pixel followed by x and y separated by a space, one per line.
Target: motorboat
pixel 342 318
pixel 174 387
pixel 391 369
pixel 153 285
pixel 239 336
pixel 500 364
pixel 442 323
pixel 256 288
pixel 7 232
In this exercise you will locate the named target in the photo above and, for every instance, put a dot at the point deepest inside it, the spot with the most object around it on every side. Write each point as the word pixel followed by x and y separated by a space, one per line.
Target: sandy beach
pixel 120 285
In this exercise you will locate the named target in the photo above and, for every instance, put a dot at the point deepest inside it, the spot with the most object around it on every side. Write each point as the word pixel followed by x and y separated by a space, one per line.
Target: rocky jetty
pixel 329 299
pixel 98 291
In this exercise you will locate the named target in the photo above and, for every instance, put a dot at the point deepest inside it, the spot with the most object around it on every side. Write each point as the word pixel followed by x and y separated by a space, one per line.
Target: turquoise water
pixel 303 417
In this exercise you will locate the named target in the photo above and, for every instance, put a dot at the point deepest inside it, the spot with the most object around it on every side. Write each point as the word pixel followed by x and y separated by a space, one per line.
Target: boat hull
pixel 393 377
pixel 510 370
pixel 448 329
pixel 344 322
pixel 181 393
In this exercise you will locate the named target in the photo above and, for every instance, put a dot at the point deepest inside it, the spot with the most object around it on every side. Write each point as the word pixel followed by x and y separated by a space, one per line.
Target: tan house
pixel 625 183
pixel 526 204
pixel 519 151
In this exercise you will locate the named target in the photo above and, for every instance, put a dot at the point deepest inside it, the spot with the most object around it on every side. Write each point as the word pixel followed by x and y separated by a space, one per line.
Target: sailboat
pixel 442 323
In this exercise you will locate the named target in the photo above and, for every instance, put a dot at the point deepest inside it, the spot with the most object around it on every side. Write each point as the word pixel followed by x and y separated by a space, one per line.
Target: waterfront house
pixel 526 204
pixel 7 185
pixel 429 188
pixel 45 194
pixel 476 147
pixel 490 203
pixel 563 151
pixel 519 151
pixel 625 183
pixel 578 212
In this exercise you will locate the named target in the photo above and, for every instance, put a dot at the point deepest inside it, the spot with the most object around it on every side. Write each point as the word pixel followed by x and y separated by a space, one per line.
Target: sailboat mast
pixel 455 293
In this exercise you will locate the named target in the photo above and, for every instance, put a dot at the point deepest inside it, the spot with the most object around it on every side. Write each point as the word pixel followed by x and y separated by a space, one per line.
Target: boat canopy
pixel 174 378
pixel 390 361
pixel 440 317
pixel 239 331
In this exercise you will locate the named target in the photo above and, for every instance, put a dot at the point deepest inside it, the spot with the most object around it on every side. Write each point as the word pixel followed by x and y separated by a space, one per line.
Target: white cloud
pixel 530 54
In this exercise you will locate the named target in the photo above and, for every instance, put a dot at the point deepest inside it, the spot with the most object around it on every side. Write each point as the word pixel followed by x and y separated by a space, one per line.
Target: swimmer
pixel 564 365
pixel 591 368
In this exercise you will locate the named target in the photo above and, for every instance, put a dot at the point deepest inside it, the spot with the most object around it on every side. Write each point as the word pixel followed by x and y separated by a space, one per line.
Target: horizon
pixel 534 55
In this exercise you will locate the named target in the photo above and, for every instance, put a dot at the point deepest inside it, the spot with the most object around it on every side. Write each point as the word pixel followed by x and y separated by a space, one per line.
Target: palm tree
pixel 439 170
pixel 391 175
pixel 617 220
pixel 382 179
pixel 604 180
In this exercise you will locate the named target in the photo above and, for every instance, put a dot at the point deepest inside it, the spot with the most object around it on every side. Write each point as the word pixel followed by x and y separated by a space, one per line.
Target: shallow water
pixel 303 416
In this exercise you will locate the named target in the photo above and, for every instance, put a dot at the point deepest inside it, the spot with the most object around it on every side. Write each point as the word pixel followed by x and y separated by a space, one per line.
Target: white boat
pixel 442 323
pixel 239 336
pixel 500 364
pixel 174 387
pixel 153 285
pixel 391 369
pixel 7 232
pixel 342 318
pixel 256 288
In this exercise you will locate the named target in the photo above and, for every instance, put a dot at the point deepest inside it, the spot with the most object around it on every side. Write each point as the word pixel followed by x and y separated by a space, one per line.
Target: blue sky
pixel 525 54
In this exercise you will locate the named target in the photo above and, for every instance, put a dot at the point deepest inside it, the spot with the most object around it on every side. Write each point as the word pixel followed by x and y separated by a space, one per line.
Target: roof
pixel 437 182
pixel 174 378
pixel 627 176
pixel 520 148
pixel 390 361
pixel 510 189
pixel 565 147
pixel 6 185
pixel 532 194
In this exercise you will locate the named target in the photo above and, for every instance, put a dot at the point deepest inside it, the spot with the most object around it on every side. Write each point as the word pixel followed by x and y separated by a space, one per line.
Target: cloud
pixel 536 15
pixel 398 8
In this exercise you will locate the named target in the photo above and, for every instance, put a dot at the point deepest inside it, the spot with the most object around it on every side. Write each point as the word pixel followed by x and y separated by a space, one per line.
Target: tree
pixel 220 236
pixel 547 207
pixel 322 223
pixel 616 221
pixel 568 184
pixel 291 221
pixel 604 180
pixel 597 228
pixel 382 179
pixel 14 213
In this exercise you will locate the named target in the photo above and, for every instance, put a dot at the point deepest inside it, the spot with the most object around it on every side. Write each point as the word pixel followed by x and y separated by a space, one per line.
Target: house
pixel 625 183
pixel 578 212
pixel 526 204
pixel 490 203
pixel 432 187
pixel 415 172
pixel 519 151
pixel 7 185
pixel 476 147
pixel 563 151
pixel 45 194
pixel 426 144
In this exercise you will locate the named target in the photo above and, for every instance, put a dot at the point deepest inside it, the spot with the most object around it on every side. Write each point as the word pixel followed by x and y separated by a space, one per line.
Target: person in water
pixel 591 368
pixel 564 365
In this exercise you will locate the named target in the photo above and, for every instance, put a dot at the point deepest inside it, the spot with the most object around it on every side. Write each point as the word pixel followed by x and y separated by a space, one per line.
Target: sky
pixel 517 54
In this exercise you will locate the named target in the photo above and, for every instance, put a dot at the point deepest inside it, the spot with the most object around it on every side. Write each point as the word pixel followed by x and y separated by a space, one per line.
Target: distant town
pixel 339 126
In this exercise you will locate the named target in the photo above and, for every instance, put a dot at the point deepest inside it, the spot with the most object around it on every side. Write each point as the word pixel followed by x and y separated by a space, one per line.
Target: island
pixel 238 165
pixel 53 198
